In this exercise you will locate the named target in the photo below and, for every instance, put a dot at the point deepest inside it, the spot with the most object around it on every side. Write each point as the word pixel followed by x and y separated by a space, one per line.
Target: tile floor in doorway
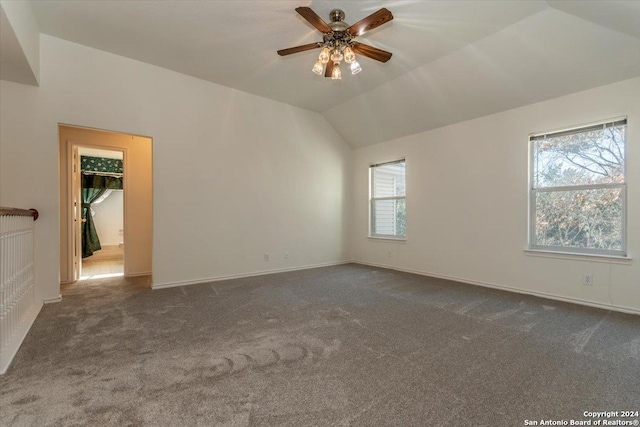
pixel 102 268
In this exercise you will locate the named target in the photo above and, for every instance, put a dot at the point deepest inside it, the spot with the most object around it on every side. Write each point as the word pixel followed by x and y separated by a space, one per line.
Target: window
pixel 388 200
pixel 578 190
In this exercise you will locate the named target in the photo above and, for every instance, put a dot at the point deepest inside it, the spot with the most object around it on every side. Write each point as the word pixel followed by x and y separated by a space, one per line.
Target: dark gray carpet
pixel 345 345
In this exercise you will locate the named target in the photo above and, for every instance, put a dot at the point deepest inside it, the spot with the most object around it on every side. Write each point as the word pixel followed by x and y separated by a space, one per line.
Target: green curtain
pixel 93 186
pixel 90 241
pixel 101 181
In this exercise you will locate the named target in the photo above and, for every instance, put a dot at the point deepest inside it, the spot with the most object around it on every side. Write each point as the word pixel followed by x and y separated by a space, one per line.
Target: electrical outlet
pixel 389 254
pixel 587 279
pixel 266 257
pixel 286 255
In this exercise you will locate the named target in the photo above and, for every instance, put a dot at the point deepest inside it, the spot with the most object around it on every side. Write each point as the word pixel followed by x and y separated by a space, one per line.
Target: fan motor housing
pixel 336 16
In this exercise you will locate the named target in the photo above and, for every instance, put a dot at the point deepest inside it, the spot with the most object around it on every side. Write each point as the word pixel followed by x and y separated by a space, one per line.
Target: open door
pixel 76 183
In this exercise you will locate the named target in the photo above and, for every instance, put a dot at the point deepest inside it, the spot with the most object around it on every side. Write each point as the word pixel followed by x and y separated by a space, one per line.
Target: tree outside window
pixel 578 190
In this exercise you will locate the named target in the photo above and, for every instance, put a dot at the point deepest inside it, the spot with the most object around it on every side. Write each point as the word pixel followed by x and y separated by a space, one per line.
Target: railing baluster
pixel 17 289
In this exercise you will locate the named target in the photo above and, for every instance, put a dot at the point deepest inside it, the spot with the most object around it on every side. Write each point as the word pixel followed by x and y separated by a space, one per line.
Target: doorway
pixel 104 233
pixel 101 228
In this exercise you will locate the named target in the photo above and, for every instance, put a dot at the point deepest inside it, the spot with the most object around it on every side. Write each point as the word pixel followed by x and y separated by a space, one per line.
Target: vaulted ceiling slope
pixel 547 55
pixel 19 43
pixel 452 60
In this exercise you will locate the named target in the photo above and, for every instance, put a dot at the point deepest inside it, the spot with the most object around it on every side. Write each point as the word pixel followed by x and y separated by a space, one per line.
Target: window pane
pixel 388 180
pixel 579 219
pixel 389 217
pixel 591 156
pixel 401 217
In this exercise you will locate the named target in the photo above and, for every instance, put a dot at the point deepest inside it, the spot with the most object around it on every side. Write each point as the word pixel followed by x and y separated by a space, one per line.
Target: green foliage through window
pixel 578 189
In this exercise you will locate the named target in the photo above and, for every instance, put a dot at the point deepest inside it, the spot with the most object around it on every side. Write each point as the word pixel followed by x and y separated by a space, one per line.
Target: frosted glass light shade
pixel 323 58
pixel 318 68
pixel 355 67
pixel 336 74
pixel 349 56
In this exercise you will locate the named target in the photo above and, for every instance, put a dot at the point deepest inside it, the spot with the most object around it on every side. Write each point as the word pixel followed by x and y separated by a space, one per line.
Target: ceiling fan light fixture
pixel 349 56
pixel 324 56
pixel 318 68
pixel 336 74
pixel 338 41
pixel 355 67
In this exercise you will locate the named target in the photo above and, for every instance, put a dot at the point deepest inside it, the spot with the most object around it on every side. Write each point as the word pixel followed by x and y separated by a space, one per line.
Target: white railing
pixel 17 289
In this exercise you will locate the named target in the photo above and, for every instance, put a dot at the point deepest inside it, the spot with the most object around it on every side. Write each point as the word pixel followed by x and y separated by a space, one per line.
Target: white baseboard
pixel 143 273
pixel 239 276
pixel 604 306
pixel 8 353
pixel 53 300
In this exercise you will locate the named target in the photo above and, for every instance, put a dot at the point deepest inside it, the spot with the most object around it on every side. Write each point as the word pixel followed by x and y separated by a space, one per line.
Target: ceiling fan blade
pixel 289 51
pixel 370 22
pixel 313 19
pixel 371 52
pixel 328 70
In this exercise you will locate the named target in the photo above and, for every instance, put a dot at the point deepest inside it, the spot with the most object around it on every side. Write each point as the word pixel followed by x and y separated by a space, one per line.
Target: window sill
pixel 392 239
pixel 609 259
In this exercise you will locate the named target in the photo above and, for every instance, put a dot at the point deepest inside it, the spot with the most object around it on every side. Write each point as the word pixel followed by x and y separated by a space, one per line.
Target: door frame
pixel 74 261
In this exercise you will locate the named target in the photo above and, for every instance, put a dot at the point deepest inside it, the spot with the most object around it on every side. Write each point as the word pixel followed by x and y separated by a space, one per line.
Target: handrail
pixel 19 212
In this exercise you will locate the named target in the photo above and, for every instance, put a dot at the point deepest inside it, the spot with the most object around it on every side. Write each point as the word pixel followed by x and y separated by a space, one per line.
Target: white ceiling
pixel 547 55
pixel 452 60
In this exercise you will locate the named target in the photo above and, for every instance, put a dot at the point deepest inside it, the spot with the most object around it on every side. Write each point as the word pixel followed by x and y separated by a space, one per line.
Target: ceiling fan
pixel 338 41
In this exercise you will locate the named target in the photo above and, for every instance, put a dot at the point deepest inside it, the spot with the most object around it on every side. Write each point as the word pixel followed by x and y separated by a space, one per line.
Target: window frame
pixel 373 199
pixel 571 250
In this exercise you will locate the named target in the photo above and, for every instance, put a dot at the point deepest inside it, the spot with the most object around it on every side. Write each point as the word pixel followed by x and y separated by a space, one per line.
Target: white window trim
pixel 559 251
pixel 608 259
pixel 372 235
pixel 383 237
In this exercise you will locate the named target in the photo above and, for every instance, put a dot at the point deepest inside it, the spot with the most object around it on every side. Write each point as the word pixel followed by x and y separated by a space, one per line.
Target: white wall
pixel 108 219
pixel 235 175
pixel 24 64
pixel 467 201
